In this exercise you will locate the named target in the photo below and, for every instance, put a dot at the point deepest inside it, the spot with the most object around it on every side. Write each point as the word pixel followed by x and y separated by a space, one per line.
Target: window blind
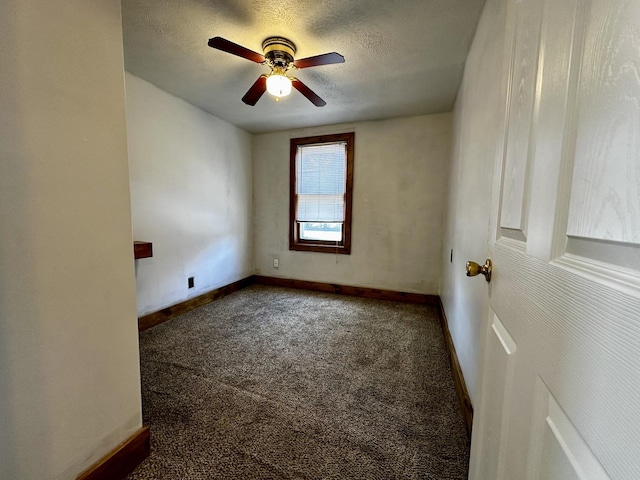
pixel 321 182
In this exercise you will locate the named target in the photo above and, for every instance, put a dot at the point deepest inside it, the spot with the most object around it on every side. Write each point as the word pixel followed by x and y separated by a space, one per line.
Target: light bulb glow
pixel 278 85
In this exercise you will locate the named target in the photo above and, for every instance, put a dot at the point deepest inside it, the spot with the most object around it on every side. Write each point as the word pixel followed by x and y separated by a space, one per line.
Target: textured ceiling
pixel 403 57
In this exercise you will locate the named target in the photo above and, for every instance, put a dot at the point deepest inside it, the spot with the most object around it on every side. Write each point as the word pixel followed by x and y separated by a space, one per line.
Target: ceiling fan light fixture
pixel 278 85
pixel 279 56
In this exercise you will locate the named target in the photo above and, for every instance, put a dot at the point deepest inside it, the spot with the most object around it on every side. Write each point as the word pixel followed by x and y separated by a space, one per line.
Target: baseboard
pixel 458 377
pixel 374 293
pixel 156 318
pixel 123 460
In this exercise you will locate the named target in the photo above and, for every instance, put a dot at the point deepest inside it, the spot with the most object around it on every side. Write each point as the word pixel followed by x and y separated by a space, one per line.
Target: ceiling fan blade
pixel 235 49
pixel 256 91
pixel 324 59
pixel 307 92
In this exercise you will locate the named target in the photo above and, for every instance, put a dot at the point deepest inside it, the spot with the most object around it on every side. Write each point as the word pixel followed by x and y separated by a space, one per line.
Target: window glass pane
pixel 331 232
pixel 321 182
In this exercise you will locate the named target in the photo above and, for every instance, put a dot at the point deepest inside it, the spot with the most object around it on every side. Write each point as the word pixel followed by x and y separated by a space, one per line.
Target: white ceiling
pixel 403 57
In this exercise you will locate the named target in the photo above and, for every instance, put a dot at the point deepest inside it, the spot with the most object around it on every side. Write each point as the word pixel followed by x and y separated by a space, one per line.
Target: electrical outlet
pixel 276 263
pixel 190 282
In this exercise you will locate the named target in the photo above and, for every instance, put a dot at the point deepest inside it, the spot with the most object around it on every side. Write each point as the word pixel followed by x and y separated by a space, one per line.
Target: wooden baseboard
pixel 123 460
pixel 364 292
pixel 458 377
pixel 156 318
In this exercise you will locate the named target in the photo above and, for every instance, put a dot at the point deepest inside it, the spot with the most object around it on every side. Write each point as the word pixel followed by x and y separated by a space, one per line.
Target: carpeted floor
pixel 272 383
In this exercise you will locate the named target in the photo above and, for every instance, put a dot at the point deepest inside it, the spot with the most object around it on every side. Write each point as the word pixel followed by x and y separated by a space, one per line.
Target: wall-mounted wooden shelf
pixel 142 250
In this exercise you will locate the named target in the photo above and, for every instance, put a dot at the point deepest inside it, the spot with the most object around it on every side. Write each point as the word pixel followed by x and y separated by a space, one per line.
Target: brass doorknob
pixel 474 269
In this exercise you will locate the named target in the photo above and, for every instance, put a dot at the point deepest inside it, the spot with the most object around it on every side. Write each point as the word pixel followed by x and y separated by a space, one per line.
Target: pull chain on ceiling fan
pixel 278 55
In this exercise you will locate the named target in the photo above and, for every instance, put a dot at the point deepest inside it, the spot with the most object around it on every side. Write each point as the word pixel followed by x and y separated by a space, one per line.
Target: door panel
pixel 567 288
pixel 603 227
pixel 500 352
pixel 605 196
pixel 522 77
pixel 558 450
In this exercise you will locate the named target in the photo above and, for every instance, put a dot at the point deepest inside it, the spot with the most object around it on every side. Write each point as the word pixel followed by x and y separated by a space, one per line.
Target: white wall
pixel 191 196
pixel 69 375
pixel 398 200
pixel 477 117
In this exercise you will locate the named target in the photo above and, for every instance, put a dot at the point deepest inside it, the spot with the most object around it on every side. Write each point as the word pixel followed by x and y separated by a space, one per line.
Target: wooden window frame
pixel 295 242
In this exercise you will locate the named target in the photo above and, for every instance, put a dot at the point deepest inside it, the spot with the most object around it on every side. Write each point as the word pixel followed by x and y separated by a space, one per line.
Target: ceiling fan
pixel 279 56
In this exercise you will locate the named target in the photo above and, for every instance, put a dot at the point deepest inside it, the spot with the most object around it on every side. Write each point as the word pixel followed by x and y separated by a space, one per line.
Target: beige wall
pixel 69 375
pixel 476 119
pixel 191 196
pixel 399 179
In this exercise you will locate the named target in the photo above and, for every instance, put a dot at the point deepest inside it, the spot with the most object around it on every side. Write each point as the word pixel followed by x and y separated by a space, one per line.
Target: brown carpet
pixel 272 383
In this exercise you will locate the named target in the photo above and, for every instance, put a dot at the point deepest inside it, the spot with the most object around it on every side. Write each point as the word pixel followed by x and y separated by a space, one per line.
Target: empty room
pixel 304 240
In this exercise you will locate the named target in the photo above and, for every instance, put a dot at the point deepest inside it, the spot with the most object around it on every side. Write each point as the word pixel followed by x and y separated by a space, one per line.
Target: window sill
pixel 310 247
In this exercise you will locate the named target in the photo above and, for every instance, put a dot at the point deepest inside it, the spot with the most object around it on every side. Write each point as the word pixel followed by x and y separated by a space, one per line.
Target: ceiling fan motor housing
pixel 279 51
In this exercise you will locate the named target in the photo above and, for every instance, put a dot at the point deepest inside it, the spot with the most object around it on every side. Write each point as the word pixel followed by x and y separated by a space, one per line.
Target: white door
pixel 559 392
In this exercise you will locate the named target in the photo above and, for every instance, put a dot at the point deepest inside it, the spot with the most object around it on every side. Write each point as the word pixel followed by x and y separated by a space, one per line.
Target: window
pixel 321 192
